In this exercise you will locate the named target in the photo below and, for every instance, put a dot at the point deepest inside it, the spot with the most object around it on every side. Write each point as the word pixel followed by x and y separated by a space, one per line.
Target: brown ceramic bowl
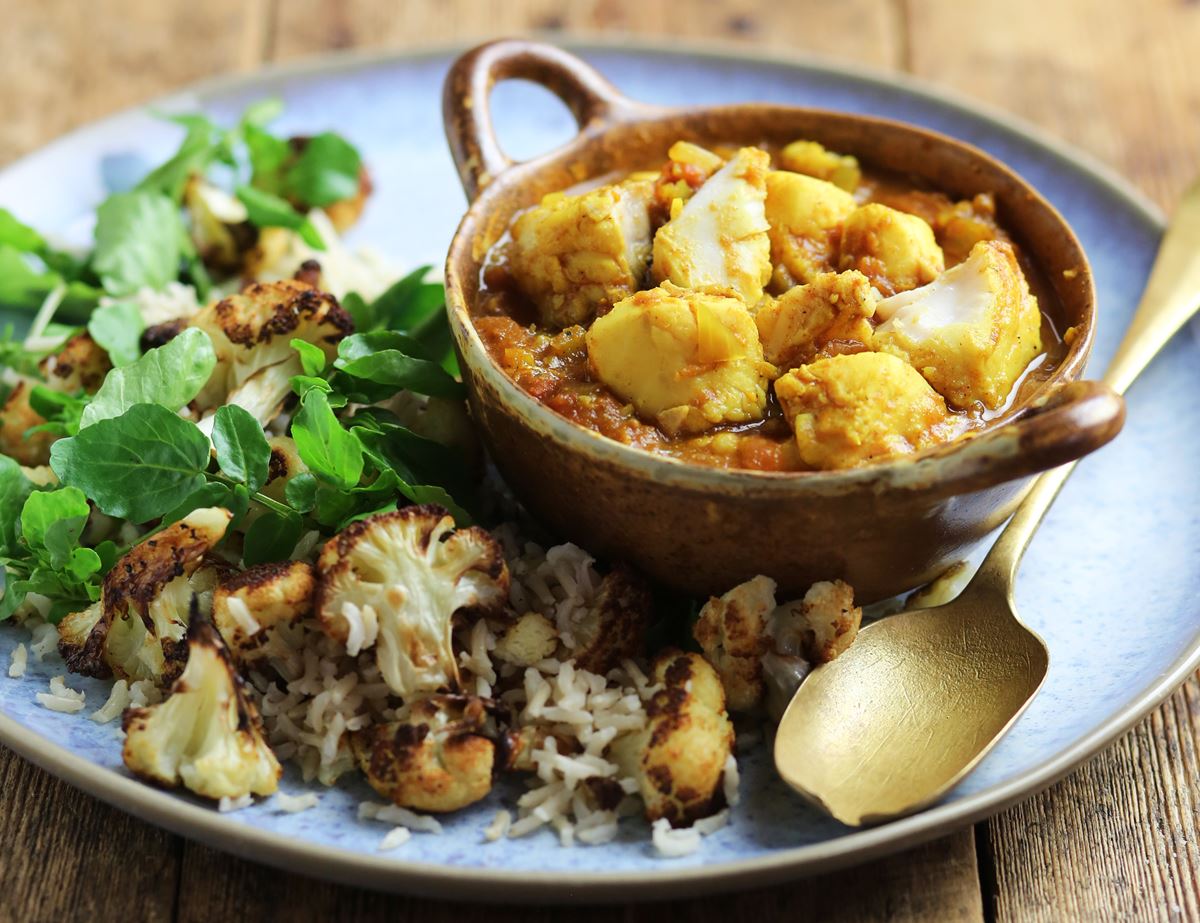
pixel 884 528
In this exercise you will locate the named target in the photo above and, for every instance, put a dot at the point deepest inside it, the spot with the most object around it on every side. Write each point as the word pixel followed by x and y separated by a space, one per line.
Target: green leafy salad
pixel 126 408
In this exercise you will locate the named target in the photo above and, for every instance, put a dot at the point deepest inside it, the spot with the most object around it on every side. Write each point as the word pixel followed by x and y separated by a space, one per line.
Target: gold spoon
pixel 919 699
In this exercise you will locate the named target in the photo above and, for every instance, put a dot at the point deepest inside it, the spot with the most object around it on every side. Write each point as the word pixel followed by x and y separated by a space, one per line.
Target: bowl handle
pixel 466 108
pixel 1074 420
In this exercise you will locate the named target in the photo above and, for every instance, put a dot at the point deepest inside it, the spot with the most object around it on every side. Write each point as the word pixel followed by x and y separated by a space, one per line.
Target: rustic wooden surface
pixel 1118 839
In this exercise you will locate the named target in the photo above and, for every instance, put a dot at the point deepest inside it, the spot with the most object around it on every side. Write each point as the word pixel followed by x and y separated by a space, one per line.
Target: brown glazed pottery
pixel 883 528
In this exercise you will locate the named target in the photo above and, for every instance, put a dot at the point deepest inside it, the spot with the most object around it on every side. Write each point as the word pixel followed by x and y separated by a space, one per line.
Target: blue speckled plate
pixel 1110 583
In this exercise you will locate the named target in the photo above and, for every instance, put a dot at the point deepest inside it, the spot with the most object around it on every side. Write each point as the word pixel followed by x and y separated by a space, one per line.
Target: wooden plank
pixel 1117 839
pixel 858 29
pixel 62 64
pixel 936 882
pixel 1118 79
pixel 72 859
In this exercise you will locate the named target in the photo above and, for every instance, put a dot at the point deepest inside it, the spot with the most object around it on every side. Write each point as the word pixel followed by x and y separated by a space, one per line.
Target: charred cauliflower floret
pixel 718 238
pixel 615 626
pixel 529 639
pixel 80 365
pixel 437 757
pixel 218 224
pixel 397 581
pixel 17 417
pixel 832 309
pixel 849 410
pixel 732 630
pixel 679 759
pixel 251 334
pixel 207 734
pixel 247 605
pixel 686 360
pixel 575 255
pixel 805 215
pixel 813 159
pixel 821 626
pixel 895 250
pixel 137 629
pixel 971 333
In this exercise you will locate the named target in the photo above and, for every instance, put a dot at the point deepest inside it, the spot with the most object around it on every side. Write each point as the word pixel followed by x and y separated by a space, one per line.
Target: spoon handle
pixel 1172 296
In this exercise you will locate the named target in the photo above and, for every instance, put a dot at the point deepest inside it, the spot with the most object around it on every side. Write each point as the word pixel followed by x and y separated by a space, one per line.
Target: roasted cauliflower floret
pixel 529 639
pixel 615 626
pixel 218 224
pixel 396 582
pixel 813 159
pixel 80 365
pixel 438 756
pixel 247 605
pixel 805 215
pixel 895 250
pixel 679 759
pixel 207 734
pixel 719 239
pixel 251 334
pixel 137 629
pixel 821 626
pixel 687 360
pixel 16 418
pixel 732 630
pixel 833 309
pixel 575 255
pixel 853 409
pixel 973 332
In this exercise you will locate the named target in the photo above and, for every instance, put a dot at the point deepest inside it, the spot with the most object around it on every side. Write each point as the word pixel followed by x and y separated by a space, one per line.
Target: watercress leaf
pixel 242 449
pixel 51 523
pixel 430 493
pixel 15 489
pixel 271 537
pixel 18 235
pixel 330 452
pixel 387 357
pixel 169 376
pixel 301 492
pixel 83 564
pixel 396 307
pixel 302 384
pixel 139 241
pixel 312 357
pixel 118 327
pixel 326 171
pixel 333 505
pixel 199 149
pixel 362 313
pixel 135 466
pixel 262 111
pixel 207 494
pixel 15 592
pixel 267 210
pixel 108 552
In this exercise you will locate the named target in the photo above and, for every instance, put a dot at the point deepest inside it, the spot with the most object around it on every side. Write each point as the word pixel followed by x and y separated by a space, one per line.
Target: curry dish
pixel 778 310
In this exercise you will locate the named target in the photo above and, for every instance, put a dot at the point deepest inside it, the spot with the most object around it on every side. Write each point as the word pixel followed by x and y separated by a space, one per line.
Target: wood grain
pixel 859 29
pixel 67 856
pixel 936 882
pixel 64 63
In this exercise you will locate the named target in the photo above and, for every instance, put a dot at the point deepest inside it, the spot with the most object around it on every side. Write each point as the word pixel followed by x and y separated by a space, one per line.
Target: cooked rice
pixel 730 779
pixel 397 837
pixel 227 804
pixel 294 804
pixel 241 614
pixel 17 661
pixel 498 828
pixel 45 640
pixel 394 814
pixel 118 700
pixel 672 842
pixel 144 692
pixel 709 825
pixel 61 697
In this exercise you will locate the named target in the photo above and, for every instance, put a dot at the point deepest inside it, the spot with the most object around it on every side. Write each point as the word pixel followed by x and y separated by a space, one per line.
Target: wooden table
pixel 1115 840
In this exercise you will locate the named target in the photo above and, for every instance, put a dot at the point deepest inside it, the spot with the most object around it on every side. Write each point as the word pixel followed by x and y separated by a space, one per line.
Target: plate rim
pixel 194 821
